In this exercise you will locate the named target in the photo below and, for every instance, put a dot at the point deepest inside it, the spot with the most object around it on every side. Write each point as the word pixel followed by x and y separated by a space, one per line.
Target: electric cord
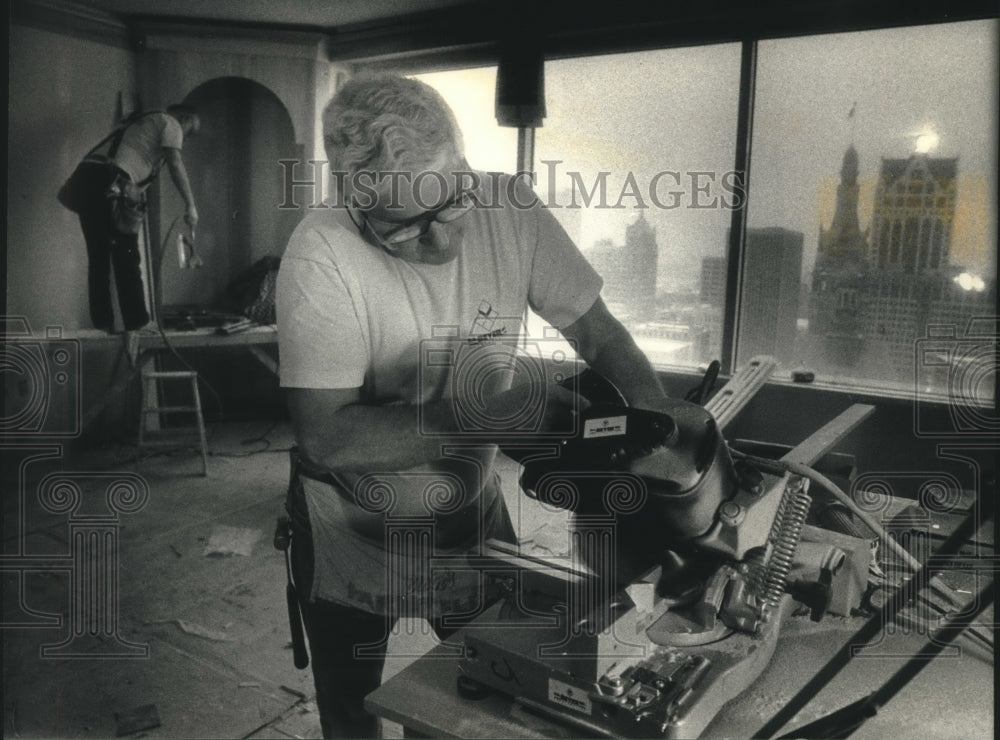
pixel 218 398
pixel 781 466
pixel 158 261
pixel 262 437
pixel 868 631
pixel 159 324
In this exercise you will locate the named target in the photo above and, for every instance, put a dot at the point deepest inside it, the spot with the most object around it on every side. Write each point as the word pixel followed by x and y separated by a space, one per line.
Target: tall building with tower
pixel 875 293
pixel 913 281
pixel 629 271
pixel 835 310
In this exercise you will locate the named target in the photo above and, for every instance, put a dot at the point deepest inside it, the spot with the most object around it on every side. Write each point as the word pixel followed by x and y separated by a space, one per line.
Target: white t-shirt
pixel 143 144
pixel 350 315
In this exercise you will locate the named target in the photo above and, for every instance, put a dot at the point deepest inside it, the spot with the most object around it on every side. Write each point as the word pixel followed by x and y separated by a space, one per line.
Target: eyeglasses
pixel 390 234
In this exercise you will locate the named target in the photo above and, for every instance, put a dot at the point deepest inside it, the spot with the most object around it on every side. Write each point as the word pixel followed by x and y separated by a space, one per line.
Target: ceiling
pixel 362 28
pixel 303 13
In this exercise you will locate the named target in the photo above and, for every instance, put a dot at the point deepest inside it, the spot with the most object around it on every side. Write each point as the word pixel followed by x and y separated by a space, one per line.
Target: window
pixel 888 185
pixel 470 93
pixel 869 223
pixel 639 175
pixel 635 159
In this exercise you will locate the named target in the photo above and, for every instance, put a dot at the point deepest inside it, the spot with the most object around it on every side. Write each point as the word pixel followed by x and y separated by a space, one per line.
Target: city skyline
pixel 901 84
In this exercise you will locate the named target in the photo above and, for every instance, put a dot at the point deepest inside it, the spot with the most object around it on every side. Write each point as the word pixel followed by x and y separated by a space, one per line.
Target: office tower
pixel 640 258
pixel 629 271
pixel 913 214
pixel 875 293
pixel 713 281
pixel 915 284
pixel 769 304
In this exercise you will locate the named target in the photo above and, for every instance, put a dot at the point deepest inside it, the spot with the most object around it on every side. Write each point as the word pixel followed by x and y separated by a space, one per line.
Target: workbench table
pixel 951 698
pixel 252 340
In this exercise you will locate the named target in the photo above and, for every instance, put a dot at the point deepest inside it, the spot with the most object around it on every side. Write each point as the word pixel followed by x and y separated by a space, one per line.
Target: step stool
pixel 151 407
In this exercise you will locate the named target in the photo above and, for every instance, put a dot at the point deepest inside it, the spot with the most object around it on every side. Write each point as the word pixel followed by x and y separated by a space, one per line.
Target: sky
pixel 674 111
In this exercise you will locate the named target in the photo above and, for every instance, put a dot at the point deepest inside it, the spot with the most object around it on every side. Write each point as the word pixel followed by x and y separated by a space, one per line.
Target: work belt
pixel 282 542
pixel 298 467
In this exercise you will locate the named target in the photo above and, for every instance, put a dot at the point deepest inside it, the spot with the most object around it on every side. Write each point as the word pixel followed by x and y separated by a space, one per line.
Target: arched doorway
pixel 237 183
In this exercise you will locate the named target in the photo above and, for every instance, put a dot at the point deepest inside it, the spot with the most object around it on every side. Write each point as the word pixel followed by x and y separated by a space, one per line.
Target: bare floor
pixel 192 620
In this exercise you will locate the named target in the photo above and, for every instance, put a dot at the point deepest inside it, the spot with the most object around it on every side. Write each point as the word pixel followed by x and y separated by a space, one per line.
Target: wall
pixel 69 81
pixel 291 66
pixel 73 73
pixel 64 95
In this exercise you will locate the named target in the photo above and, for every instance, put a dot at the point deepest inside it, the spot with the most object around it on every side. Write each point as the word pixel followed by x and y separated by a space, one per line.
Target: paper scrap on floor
pixel 232 541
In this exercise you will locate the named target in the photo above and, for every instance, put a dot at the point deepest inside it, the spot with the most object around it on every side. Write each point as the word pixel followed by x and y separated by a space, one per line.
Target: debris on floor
pixel 197 630
pixel 297 723
pixel 293 692
pixel 136 720
pixel 232 541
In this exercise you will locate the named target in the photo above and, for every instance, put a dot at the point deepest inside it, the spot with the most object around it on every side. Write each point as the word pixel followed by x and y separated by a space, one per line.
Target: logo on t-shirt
pixel 487 326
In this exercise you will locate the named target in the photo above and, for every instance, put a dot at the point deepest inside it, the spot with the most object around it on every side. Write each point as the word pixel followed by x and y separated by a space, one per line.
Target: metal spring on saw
pixel 756 565
pixel 785 535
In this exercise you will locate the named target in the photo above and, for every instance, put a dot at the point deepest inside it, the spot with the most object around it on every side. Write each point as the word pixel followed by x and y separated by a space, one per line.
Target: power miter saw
pixel 686 556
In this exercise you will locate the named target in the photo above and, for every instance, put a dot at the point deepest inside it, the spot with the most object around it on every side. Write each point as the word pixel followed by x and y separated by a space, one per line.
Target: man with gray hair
pixel 400 320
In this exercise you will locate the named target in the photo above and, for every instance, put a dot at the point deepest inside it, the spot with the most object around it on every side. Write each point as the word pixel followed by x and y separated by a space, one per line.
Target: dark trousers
pixel 347 646
pixel 347 649
pixel 108 248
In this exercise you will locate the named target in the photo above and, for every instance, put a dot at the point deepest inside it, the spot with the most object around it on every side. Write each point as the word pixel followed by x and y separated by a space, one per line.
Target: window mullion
pixel 737 231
